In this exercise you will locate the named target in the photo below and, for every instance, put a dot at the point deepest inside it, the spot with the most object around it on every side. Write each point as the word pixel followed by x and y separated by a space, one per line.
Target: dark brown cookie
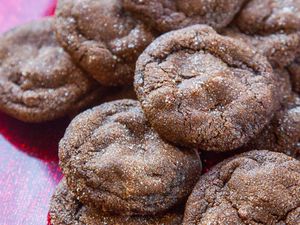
pixel 65 209
pixel 279 48
pixel 198 88
pixel 283 132
pixel 167 15
pixel 258 187
pixel 102 38
pixel 38 81
pixel 270 16
pixel 294 70
pixel 113 160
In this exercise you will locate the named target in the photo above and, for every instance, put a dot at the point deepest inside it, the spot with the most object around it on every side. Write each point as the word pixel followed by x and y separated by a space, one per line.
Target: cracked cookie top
pixel 65 209
pixel 258 187
pixel 102 38
pixel 38 80
pixel 167 15
pixel 270 16
pixel 200 89
pixel 114 161
pixel 282 134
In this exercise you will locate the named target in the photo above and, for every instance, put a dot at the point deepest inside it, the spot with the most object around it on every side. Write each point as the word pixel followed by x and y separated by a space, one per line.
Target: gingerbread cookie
pixel 283 132
pixel 258 187
pixel 294 70
pixel 65 209
pixel 115 161
pixel 273 27
pixel 102 38
pixel 279 48
pixel 167 15
pixel 270 16
pixel 198 88
pixel 38 80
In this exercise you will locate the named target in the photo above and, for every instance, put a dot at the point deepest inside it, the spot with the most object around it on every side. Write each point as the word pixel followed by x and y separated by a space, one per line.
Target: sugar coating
pixel 102 38
pixel 201 89
pixel 38 80
pixel 115 162
pixel 258 187
pixel 65 209
pixel 167 15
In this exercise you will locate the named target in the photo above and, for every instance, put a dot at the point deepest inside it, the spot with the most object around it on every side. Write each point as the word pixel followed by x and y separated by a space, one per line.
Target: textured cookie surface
pixel 102 38
pixel 113 160
pixel 280 49
pixel 270 16
pixel 283 132
pixel 65 209
pixel 258 187
pixel 167 15
pixel 198 88
pixel 38 81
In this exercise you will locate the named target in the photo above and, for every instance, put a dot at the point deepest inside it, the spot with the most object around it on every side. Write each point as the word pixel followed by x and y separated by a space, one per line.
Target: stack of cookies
pixel 209 76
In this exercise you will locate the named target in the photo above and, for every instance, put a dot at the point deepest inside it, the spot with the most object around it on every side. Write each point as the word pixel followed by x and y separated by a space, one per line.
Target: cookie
pixel 198 88
pixel 279 48
pixel 258 187
pixel 65 209
pixel 283 132
pixel 294 70
pixel 115 161
pixel 270 16
pixel 167 15
pixel 38 80
pixel 273 27
pixel 102 38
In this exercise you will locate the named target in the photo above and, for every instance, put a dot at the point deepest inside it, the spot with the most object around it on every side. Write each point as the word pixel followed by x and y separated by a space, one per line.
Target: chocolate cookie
pixel 294 70
pixel 102 38
pixel 273 27
pixel 114 161
pixel 167 15
pixel 258 187
pixel 270 16
pixel 38 81
pixel 283 132
pixel 279 48
pixel 65 209
pixel 198 88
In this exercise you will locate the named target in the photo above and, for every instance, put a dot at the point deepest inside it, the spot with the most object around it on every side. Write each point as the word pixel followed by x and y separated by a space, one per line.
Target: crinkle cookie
pixel 279 48
pixel 283 132
pixel 65 209
pixel 270 16
pixel 294 70
pixel 273 27
pixel 102 38
pixel 115 161
pixel 167 15
pixel 38 80
pixel 258 187
pixel 198 88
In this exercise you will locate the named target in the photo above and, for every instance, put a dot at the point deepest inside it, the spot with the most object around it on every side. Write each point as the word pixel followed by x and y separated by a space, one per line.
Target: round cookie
pixel 65 209
pixel 258 187
pixel 102 38
pixel 283 132
pixel 38 80
pixel 167 15
pixel 198 88
pixel 279 48
pixel 294 70
pixel 115 161
pixel 270 16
